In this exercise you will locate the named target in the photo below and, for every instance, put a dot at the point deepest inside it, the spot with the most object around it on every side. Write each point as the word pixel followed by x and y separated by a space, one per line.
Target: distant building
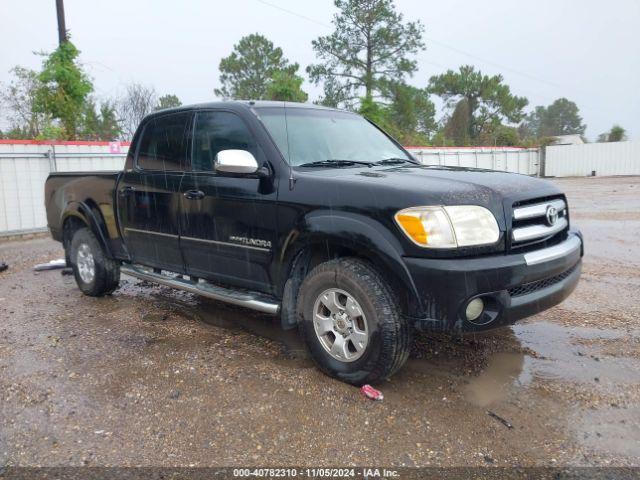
pixel 568 140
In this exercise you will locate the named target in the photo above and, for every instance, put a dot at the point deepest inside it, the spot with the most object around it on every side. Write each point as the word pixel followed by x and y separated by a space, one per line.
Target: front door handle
pixel 194 195
pixel 126 191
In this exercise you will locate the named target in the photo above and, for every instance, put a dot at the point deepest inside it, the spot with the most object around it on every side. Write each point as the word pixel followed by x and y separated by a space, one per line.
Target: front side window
pixel 307 135
pixel 164 141
pixel 217 131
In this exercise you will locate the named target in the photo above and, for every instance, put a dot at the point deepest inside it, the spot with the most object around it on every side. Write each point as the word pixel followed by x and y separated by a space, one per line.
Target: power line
pixel 432 40
pixel 449 47
pixel 295 14
pixel 489 62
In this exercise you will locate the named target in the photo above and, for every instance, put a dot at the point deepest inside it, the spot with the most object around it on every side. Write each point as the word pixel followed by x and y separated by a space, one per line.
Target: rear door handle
pixel 194 195
pixel 126 191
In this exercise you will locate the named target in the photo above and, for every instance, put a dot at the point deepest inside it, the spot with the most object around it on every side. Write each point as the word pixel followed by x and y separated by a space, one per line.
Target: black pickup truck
pixel 318 216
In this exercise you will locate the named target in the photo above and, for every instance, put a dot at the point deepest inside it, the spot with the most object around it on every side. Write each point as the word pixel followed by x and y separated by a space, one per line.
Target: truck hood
pixel 429 185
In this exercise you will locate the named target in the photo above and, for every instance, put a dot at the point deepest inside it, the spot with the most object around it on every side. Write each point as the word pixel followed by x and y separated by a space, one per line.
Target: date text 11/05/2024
pixel 370 472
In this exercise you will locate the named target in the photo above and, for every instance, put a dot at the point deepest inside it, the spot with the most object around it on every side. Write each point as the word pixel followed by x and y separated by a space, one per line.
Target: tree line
pixel 58 103
pixel 364 65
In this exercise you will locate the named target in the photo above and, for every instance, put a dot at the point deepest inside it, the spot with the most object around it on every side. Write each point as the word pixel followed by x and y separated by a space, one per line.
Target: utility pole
pixel 62 28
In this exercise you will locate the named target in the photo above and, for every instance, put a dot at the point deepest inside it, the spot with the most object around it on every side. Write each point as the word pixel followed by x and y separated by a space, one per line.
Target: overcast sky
pixel 585 50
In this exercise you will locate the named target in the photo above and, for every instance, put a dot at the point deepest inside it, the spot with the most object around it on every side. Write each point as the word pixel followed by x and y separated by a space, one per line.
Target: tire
pixel 366 309
pixel 96 274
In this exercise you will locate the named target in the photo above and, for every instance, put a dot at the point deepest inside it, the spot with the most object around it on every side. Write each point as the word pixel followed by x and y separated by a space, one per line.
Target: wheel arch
pixel 326 236
pixel 84 214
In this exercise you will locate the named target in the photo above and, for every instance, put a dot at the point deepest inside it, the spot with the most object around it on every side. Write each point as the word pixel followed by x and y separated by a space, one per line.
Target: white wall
pixel 506 159
pixel 74 158
pixel 615 158
pixel 24 167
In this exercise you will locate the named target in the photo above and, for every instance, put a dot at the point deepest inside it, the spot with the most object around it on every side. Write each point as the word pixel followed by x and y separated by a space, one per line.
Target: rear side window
pixel 164 142
pixel 216 131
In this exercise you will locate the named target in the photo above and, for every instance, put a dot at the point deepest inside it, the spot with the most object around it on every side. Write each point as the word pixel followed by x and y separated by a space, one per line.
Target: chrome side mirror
pixel 235 161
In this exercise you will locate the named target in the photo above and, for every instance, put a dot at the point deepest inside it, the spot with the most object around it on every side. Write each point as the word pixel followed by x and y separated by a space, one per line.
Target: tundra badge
pixel 251 242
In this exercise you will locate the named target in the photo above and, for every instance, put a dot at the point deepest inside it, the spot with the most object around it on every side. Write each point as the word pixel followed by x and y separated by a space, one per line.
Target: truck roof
pixel 236 104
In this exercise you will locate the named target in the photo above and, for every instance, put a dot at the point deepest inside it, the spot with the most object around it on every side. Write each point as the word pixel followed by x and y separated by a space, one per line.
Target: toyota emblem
pixel 552 215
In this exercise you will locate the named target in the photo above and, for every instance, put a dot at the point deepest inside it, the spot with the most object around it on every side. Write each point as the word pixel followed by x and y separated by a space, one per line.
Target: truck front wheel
pixel 351 322
pixel 96 274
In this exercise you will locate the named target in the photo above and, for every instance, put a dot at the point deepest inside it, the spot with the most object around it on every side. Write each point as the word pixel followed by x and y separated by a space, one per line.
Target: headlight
pixel 449 227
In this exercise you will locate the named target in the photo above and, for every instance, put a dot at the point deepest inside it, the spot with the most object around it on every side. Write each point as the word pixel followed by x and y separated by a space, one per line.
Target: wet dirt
pixel 154 376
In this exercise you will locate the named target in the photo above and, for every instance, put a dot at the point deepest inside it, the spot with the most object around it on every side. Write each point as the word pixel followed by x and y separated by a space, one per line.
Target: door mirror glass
pixel 235 161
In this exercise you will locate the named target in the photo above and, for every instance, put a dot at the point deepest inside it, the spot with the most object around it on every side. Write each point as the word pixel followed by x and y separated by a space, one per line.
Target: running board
pixel 254 301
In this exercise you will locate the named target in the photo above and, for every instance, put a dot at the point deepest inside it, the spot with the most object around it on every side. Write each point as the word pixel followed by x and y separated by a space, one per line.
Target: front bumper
pixel 512 286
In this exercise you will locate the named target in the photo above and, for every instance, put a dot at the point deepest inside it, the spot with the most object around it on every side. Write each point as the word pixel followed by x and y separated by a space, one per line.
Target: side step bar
pixel 254 301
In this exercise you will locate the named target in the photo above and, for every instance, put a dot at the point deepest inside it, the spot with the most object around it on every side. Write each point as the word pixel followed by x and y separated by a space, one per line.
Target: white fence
pixel 506 159
pixel 601 159
pixel 24 167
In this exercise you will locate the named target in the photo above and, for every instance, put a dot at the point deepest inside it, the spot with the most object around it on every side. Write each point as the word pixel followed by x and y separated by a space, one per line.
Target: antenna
pixel 292 180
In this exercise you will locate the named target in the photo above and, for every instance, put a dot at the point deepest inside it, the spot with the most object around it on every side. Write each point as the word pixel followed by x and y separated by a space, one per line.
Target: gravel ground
pixel 154 377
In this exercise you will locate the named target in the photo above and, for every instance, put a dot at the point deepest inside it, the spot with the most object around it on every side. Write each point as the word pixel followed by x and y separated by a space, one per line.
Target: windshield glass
pixel 306 135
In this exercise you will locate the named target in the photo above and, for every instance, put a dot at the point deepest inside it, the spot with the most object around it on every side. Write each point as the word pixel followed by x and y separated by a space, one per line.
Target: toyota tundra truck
pixel 318 216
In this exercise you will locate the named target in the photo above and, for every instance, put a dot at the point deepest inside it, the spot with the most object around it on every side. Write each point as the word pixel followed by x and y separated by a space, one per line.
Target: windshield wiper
pixel 335 163
pixel 395 161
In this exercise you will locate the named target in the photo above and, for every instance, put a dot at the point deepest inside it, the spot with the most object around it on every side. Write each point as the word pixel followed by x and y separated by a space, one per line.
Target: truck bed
pixel 70 191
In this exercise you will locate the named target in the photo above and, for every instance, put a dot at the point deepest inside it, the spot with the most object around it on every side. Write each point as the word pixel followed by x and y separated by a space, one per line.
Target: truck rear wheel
pixel 351 322
pixel 95 273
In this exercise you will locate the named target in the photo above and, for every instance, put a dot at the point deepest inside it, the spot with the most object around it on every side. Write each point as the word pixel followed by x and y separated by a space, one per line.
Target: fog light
pixel 474 309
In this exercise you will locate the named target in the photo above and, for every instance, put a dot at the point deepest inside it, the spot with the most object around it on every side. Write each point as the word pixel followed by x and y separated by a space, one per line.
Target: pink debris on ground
pixel 370 392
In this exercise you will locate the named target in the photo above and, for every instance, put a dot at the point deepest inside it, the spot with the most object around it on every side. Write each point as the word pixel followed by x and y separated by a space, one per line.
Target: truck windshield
pixel 330 137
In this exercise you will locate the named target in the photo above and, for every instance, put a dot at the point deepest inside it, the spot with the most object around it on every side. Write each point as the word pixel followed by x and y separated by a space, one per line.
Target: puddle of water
pixel 501 373
pixel 561 357
pixel 520 356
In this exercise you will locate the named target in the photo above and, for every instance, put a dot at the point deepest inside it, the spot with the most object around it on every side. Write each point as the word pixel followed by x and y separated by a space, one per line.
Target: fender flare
pixel 370 238
pixel 92 218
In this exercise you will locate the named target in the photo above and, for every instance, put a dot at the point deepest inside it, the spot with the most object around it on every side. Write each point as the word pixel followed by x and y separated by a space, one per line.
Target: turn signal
pixel 413 228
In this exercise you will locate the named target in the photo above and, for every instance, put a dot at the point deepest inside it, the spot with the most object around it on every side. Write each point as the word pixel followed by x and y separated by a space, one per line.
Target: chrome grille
pixel 542 221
